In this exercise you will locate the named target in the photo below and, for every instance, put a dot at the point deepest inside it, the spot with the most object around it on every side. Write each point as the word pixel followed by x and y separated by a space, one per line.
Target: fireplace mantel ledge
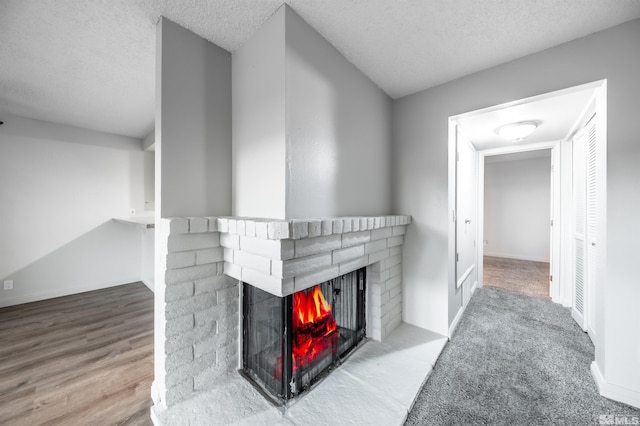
pixel 285 256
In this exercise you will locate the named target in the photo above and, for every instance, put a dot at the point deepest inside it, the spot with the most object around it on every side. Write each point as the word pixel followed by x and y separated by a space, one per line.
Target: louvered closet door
pixel 592 177
pixel 580 224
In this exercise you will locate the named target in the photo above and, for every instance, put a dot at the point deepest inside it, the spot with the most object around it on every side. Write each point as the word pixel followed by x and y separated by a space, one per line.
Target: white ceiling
pixel 90 63
pixel 557 114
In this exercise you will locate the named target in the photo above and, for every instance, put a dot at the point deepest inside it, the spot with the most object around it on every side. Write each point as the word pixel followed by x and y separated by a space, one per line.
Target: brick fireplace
pixel 198 316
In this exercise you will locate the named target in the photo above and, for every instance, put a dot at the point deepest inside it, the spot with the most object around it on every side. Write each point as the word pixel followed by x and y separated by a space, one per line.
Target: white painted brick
pixel 253 261
pixel 327 227
pixel 189 370
pixel 181 307
pixel 213 284
pixel 228 254
pixel 210 344
pixel 178 393
pixel 370 223
pixel 223 224
pixel 278 230
pixel 262 281
pixel 233 226
pixel 375 246
pixel 198 225
pixel 355 238
pixel 391 221
pixel 378 234
pixel 181 259
pixel 228 324
pixel 301 265
pixel 377 222
pixel 192 273
pixel 211 255
pixel 189 337
pixel 184 242
pixel 352 265
pixel 300 229
pixel 179 225
pixel 230 241
pixel 395 241
pixel 392 261
pixel 310 279
pixel 355 224
pixel 378 255
pixel 406 220
pixel 395 250
pixel 182 356
pixel 377 266
pixel 311 246
pixel 378 277
pixel 250 228
pixel 178 291
pixel 233 270
pixel 227 296
pixel 315 228
pixel 176 326
pixel 347 224
pixel 227 354
pixel 241 226
pixel 272 249
pixel 213 224
pixel 392 284
pixel 343 255
pixel 203 381
pixel 210 315
pixel 337 226
pixel 277 268
pixel 399 230
pixel 395 271
pixel 288 286
pixel 262 230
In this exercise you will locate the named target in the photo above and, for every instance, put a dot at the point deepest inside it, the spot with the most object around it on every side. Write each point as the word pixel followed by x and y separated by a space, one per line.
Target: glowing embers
pixel 314 329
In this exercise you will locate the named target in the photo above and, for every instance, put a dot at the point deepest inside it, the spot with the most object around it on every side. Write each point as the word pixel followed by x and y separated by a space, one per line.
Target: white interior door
pixel 592 212
pixel 578 310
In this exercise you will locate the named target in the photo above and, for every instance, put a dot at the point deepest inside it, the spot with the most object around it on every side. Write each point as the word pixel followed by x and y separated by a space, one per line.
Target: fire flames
pixel 314 328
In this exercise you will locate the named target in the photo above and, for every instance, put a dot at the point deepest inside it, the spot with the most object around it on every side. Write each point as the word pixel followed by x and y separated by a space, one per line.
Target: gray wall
pixel 517 208
pixel 311 133
pixel 338 131
pixel 259 182
pixel 60 186
pixel 193 125
pixel 420 180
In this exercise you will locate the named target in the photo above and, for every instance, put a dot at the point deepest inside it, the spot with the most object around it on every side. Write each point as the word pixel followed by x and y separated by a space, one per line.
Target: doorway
pixel 558 117
pixel 517 226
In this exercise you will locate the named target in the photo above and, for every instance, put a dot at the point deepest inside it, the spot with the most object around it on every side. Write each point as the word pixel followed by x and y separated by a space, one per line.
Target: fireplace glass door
pixel 291 342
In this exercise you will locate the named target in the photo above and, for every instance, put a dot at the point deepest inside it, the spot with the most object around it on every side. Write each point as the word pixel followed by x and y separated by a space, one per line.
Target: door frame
pixel 563 288
pixel 554 146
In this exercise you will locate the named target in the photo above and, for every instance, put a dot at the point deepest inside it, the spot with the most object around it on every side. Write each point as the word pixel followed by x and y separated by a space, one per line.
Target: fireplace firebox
pixel 291 342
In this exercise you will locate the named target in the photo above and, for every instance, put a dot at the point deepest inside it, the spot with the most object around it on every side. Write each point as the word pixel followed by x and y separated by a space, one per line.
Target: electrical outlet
pixel 132 212
pixel 8 284
pixel 485 242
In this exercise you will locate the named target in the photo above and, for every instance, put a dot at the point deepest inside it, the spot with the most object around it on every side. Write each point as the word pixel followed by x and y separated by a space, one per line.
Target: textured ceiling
pixel 90 63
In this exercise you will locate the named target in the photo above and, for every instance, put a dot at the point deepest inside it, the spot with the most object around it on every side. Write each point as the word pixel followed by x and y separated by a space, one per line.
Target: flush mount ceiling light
pixel 517 131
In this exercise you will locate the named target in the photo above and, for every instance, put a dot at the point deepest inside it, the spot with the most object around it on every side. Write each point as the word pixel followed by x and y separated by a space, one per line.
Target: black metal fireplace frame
pixel 289 388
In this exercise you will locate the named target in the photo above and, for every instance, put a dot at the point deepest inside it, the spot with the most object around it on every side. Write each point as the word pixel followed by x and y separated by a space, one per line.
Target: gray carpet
pixel 514 360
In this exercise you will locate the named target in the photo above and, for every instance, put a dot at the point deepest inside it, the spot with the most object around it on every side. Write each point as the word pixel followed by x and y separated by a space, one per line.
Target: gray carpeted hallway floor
pixel 514 360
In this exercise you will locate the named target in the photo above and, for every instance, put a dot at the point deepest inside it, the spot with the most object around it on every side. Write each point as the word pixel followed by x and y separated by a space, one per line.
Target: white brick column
pixel 197 312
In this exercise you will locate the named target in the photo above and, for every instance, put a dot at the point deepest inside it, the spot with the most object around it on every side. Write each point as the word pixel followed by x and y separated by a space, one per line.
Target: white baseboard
pixel 517 257
pixel 149 284
pixel 615 392
pixel 454 323
pixel 59 292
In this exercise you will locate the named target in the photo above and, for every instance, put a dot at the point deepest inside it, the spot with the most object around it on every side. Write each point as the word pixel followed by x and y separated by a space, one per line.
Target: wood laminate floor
pixel 85 359
pixel 521 276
